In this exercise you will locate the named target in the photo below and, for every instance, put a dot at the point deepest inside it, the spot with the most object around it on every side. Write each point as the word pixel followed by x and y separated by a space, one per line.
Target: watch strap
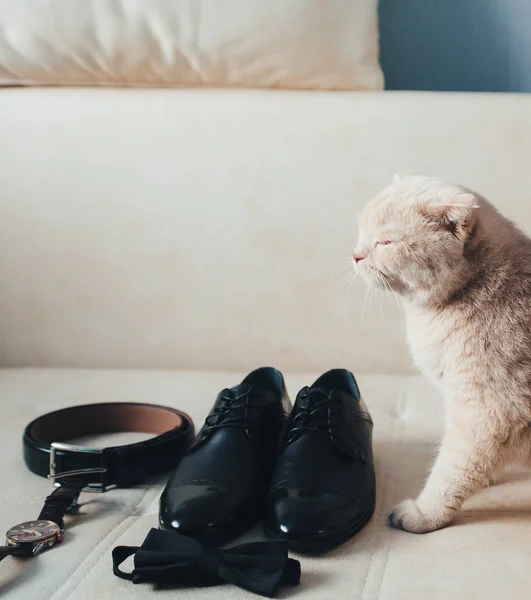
pixel 6 551
pixel 10 551
pixel 57 503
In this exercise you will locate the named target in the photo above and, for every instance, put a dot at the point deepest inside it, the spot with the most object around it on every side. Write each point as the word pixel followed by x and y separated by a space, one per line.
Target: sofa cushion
pixel 295 44
pixel 378 564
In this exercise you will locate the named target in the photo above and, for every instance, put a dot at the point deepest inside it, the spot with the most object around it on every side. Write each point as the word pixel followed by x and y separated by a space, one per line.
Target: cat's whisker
pixel 340 280
pixel 393 303
pixel 339 274
pixel 369 288
pixel 380 279
pixel 345 265
pixel 342 276
pixel 400 309
pixel 371 296
pixel 345 279
pixel 390 300
pixel 396 301
pixel 354 276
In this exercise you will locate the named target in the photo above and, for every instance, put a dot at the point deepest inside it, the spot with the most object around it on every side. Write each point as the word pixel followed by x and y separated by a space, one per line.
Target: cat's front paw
pixel 407 516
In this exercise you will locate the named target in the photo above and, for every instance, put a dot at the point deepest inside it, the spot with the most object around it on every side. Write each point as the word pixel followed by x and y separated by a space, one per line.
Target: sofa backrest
pixel 209 229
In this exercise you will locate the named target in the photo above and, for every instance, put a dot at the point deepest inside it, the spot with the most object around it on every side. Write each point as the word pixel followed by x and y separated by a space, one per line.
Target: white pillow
pixel 305 44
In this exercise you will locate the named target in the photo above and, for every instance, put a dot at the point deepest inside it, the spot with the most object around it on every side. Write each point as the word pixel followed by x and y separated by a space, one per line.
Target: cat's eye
pixel 383 243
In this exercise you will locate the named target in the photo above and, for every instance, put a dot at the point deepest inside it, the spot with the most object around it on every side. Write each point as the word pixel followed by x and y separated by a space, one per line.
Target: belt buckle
pixel 98 487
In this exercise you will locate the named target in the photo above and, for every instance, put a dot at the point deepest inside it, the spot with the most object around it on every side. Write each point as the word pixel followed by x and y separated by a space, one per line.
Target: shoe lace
pixel 234 410
pixel 318 411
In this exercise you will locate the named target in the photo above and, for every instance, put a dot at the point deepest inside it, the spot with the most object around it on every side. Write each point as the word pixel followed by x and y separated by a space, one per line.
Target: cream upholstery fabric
pixel 251 43
pixel 211 230
pixel 484 555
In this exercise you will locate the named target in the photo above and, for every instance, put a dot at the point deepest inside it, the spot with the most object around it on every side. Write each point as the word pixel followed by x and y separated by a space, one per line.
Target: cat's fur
pixel 464 274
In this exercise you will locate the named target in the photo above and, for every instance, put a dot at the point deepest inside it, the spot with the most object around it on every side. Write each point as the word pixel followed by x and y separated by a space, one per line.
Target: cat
pixel 463 273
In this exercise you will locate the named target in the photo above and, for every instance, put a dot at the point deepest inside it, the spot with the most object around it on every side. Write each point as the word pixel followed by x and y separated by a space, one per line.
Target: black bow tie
pixel 166 557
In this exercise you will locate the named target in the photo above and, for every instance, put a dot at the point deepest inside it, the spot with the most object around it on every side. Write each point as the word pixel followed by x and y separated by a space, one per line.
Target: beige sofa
pixel 156 245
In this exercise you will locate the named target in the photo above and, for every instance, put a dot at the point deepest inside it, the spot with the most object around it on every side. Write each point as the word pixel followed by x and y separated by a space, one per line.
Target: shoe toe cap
pixel 194 508
pixel 299 513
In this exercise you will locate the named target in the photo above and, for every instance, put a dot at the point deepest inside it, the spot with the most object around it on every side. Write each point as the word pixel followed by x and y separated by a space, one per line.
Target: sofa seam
pixel 369 568
pixel 98 552
pixel 398 422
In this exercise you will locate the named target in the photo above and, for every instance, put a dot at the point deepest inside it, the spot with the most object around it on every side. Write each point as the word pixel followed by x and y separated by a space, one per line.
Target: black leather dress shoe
pixel 218 490
pixel 323 488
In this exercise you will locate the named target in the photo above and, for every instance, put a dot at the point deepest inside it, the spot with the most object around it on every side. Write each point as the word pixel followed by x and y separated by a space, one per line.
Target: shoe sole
pixel 321 546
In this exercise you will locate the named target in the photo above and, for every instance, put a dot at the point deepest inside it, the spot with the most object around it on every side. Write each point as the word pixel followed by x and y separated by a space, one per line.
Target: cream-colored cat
pixel 463 272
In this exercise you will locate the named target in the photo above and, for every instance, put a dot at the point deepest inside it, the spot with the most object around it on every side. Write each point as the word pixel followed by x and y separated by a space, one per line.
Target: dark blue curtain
pixel 464 45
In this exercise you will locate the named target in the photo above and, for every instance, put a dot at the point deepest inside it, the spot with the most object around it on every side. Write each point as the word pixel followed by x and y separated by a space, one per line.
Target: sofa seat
pixel 467 560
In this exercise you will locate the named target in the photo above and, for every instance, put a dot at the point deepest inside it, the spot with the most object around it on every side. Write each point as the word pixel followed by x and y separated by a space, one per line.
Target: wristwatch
pixel 31 537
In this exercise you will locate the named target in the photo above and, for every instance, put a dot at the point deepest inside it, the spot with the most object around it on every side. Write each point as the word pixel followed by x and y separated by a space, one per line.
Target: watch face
pixel 33 532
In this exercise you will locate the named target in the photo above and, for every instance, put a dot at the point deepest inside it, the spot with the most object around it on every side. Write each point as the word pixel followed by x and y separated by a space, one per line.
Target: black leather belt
pixel 74 469
pixel 47 453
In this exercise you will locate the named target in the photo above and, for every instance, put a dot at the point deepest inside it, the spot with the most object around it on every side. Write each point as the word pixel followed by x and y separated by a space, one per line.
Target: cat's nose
pixel 357 257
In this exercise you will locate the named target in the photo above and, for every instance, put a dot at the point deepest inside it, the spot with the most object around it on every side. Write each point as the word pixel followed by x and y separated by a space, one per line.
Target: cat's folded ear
pixel 453 213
